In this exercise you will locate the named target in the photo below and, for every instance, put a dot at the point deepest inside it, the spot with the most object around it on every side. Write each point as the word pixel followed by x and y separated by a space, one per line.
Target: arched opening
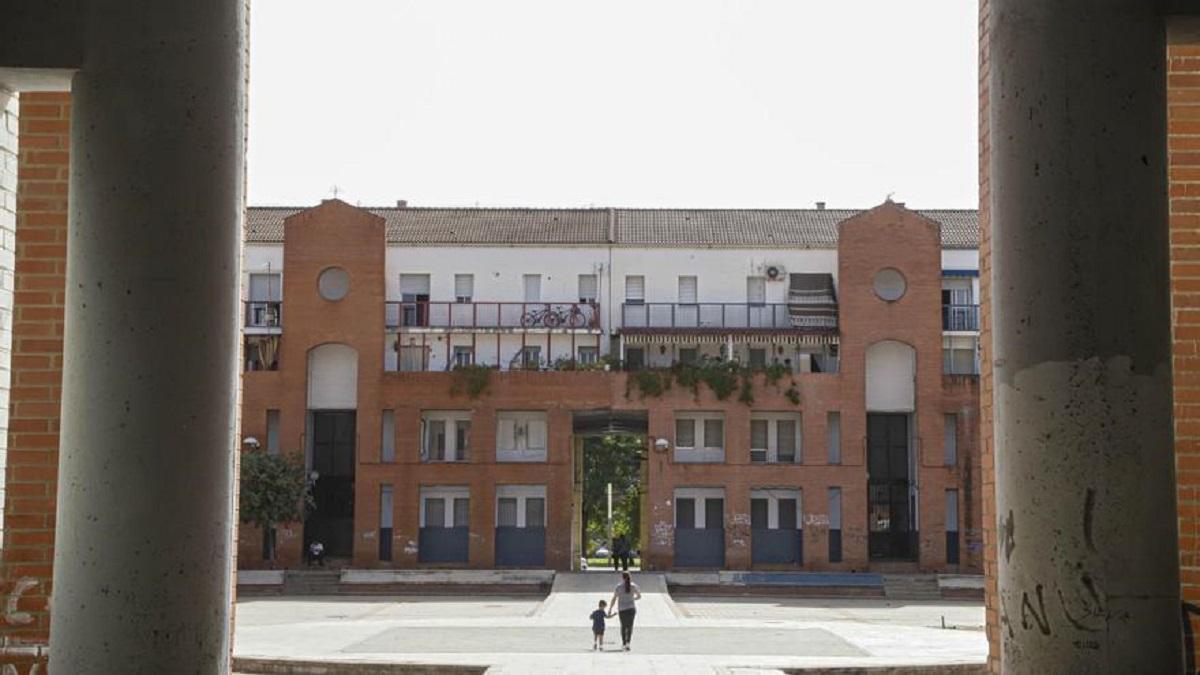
pixel 330 447
pixel 891 471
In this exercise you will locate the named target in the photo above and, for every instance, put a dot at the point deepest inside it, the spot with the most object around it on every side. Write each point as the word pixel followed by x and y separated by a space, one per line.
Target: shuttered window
pixel 756 290
pixel 533 287
pixel 588 288
pixel 635 289
pixel 464 287
pixel 265 288
pixel 414 284
pixel 687 290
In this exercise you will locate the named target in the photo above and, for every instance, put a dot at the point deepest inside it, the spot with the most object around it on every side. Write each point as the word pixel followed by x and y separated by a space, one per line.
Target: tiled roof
pixel 797 228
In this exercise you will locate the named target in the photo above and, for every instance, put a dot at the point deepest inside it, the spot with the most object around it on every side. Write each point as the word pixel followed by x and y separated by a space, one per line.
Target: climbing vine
pixel 472 380
pixel 723 379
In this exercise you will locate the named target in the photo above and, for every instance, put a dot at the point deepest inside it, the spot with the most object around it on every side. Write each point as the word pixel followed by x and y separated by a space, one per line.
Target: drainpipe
pixel 612 237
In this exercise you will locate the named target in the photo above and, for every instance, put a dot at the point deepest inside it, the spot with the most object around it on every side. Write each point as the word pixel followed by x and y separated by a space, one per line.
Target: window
pixel 333 283
pixel 685 513
pixel 699 508
pixel 414 296
pixel 889 284
pixel 521 506
pixel 756 290
pixel 959 355
pixel 533 287
pixel 272 432
pixel 635 289
pixel 588 355
pixel 412 358
pixel 714 513
pixel 774 437
pixel 463 356
pixel 464 287
pixel 385 522
pixel 699 437
pixel 950 440
pixel 521 437
pixel 833 428
pixel 835 524
pixel 758 358
pixel 446 436
pixel 789 517
pixel 775 509
pixel 952 527
pixel 387 444
pixel 687 290
pixel 506 512
pixel 688 354
pixel 588 288
pixel 435 512
pixel 635 358
pixel 531 357
pixel 759 434
pixel 445 518
pixel 462 512
pixel 759 510
pixel 262 310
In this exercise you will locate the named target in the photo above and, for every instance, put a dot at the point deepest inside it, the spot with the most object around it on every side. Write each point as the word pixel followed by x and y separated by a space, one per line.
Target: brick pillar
pixel 31 476
pixel 987 450
pixel 1183 116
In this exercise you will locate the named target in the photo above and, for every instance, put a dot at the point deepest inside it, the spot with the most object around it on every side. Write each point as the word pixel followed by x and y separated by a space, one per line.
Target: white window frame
pixel 522 493
pixel 773 419
pixel 447 493
pixel 531 282
pixel 703 451
pixel 274 286
pixel 773 496
pixel 462 349
pixel 753 284
pixel 595 283
pixel 593 351
pixel 522 451
pixel 689 289
pixel 451 418
pixel 701 496
pixel 631 299
pixel 469 281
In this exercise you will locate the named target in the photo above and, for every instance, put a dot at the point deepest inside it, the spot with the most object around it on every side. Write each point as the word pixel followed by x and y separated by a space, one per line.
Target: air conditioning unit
pixel 776 273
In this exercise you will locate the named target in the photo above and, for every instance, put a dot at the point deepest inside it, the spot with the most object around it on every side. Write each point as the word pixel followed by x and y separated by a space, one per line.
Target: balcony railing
pixel 722 315
pixel 264 314
pixel 960 317
pixel 489 315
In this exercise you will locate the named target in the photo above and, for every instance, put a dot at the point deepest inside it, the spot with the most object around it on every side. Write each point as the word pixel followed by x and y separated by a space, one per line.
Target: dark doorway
pixel 610 447
pixel 892 533
pixel 332 520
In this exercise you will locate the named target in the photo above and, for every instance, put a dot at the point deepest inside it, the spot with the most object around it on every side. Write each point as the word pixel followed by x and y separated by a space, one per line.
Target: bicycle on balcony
pixel 550 317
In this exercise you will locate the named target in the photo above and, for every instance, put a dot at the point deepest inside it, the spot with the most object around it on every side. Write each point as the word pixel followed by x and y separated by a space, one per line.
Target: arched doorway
pixel 891 474
pixel 332 421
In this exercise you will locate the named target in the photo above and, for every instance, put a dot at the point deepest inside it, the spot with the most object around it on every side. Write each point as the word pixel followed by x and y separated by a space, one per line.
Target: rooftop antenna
pixel 889 196
pixel 336 191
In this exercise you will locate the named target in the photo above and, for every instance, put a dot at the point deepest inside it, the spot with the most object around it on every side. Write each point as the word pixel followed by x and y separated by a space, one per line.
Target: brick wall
pixel 8 225
pixel 987 436
pixel 36 361
pixel 1183 92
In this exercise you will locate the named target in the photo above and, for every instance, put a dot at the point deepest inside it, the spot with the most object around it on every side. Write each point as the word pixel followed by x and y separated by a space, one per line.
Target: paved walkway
pixel 702 635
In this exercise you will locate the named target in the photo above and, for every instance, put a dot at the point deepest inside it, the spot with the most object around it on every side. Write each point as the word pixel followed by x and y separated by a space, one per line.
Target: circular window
pixel 889 284
pixel 333 284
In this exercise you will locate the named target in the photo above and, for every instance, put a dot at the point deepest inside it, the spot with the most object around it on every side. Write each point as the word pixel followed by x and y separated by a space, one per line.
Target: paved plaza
pixel 531 635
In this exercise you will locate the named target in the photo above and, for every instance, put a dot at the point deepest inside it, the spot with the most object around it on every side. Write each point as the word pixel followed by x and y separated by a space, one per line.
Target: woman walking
pixel 623 602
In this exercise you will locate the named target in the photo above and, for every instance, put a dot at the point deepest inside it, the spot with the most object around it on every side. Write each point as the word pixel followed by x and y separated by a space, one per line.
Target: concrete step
pixel 311 582
pixel 911 587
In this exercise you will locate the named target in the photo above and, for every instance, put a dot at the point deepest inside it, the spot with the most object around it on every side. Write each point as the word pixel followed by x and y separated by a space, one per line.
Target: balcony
pixel 960 318
pixel 493 316
pixel 724 316
pixel 263 316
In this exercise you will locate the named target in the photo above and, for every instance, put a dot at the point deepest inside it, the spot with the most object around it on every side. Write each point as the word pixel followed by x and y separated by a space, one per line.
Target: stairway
pixel 911 587
pixel 311 582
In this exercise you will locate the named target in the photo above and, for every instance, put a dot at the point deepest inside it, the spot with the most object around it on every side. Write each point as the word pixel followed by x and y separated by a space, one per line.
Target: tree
pixel 616 460
pixel 274 490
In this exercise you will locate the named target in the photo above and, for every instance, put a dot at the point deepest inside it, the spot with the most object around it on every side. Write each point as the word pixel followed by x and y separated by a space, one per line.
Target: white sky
pixel 705 103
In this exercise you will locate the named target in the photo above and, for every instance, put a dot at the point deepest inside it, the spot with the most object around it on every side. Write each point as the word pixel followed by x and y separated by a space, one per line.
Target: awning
pixel 683 337
pixel 812 302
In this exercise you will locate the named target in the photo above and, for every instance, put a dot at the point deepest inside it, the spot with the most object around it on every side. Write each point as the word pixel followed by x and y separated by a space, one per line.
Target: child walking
pixel 598 627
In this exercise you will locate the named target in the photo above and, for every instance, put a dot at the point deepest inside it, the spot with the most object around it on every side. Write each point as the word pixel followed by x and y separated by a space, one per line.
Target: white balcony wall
pixel 722 272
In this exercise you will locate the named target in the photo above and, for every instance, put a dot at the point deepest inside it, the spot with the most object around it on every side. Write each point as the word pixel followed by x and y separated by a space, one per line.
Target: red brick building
pixel 850 442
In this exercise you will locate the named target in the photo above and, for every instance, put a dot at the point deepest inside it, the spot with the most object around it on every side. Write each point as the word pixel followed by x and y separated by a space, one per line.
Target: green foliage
pixel 472 380
pixel 274 489
pixel 616 460
pixel 723 378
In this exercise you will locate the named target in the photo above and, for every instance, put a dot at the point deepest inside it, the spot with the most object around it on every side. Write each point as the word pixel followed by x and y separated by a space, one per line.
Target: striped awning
pixel 676 337
pixel 812 302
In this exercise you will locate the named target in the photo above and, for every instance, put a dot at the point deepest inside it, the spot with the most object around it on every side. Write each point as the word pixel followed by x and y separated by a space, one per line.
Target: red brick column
pixel 987 437
pixel 31 478
pixel 1183 115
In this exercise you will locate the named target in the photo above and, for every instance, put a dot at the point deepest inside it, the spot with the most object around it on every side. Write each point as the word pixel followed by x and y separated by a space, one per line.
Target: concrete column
pixel 142 562
pixel 1088 573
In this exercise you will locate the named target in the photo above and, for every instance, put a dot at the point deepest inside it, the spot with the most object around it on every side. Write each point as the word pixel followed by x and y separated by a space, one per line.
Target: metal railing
pixel 960 317
pixel 721 315
pixel 467 315
pixel 263 313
